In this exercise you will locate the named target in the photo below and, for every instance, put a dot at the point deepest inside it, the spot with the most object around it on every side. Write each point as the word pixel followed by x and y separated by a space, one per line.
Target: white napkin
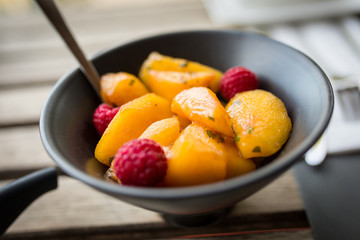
pixel 342 135
pixel 326 43
pixel 240 12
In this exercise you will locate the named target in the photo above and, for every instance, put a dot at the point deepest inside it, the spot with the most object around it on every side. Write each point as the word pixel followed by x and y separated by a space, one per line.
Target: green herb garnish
pixel 250 130
pixel 183 64
pixel 210 134
pixel 132 81
pixel 237 138
pixel 256 149
pixel 211 118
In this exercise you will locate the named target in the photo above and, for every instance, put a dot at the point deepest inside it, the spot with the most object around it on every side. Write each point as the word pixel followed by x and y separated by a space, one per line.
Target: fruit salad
pixel 182 123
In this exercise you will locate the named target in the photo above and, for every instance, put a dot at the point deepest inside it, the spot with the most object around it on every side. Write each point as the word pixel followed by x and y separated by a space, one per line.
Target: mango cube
pixel 157 61
pixel 164 131
pixel 200 104
pixel 260 122
pixel 120 88
pixel 169 83
pixel 236 164
pixel 129 123
pixel 197 157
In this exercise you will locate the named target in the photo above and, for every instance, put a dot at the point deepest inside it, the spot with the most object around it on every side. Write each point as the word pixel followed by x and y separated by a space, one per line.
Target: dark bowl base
pixel 197 220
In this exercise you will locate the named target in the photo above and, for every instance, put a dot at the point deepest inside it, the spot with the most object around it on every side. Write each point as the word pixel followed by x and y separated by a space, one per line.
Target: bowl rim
pixel 281 164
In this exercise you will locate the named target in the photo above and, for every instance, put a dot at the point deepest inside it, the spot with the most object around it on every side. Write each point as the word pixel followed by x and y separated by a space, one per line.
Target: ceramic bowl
pixel 70 138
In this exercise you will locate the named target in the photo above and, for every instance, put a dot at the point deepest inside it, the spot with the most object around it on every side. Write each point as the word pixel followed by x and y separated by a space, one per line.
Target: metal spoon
pixel 53 14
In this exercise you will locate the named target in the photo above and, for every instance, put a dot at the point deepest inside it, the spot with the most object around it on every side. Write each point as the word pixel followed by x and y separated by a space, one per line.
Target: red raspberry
pixel 140 162
pixel 236 80
pixel 102 116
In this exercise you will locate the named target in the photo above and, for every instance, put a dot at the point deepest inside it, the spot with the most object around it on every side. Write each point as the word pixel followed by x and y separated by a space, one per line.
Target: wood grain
pixel 33 52
pixel 22 105
pixel 23 150
pixel 75 205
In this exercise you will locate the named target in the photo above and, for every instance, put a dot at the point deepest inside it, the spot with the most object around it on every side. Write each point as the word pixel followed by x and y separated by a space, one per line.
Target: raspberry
pixel 236 80
pixel 102 116
pixel 140 162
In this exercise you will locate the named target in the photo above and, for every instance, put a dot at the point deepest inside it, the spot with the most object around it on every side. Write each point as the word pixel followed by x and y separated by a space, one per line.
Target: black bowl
pixel 70 138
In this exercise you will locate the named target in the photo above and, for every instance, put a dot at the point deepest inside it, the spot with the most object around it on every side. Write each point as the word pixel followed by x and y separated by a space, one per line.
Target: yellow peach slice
pixel 120 88
pixel 129 123
pixel 236 164
pixel 200 104
pixel 164 131
pixel 260 122
pixel 157 61
pixel 169 83
pixel 195 158
pixel 184 122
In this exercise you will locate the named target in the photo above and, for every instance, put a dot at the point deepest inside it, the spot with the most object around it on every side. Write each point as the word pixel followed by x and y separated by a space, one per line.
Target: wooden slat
pixel 23 150
pixel 76 206
pixel 22 105
pixel 33 52
pixel 28 73
pixel 148 232
pixel 285 234
pixel 80 10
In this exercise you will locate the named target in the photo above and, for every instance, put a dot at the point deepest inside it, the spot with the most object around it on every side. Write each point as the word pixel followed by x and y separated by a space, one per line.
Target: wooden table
pixel 32 58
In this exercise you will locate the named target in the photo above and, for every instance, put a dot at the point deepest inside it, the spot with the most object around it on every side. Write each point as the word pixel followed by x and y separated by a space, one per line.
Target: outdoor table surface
pixel 33 58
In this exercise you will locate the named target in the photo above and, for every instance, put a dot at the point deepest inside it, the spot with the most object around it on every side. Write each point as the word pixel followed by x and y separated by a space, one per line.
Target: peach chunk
pixel 169 83
pixel 184 122
pixel 164 131
pixel 197 157
pixel 260 122
pixel 120 88
pixel 129 123
pixel 156 61
pixel 200 104
pixel 236 164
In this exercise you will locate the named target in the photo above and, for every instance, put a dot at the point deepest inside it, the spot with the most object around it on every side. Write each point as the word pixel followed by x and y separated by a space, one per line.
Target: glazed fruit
pixel 201 156
pixel 102 116
pixel 260 122
pixel 184 122
pixel 237 80
pixel 120 88
pixel 236 165
pixel 200 104
pixel 140 162
pixel 164 131
pixel 197 157
pixel 180 134
pixel 130 122
pixel 159 62
pixel 169 83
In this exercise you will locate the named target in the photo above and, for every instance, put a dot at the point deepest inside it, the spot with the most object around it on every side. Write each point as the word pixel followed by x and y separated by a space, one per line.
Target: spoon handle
pixel 54 16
